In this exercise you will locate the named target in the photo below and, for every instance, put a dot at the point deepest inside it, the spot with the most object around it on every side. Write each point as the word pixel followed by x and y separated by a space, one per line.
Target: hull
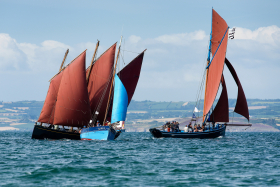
pixel 99 133
pixel 40 132
pixel 207 134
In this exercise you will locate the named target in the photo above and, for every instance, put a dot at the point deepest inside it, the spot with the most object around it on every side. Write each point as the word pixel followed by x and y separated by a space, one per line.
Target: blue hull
pixel 98 133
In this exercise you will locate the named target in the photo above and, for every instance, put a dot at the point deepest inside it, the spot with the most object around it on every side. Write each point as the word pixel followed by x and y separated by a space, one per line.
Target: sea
pixel 138 159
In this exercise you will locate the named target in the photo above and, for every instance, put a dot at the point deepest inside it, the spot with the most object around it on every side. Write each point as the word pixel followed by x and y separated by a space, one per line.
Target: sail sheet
pixel 241 106
pixel 47 112
pixel 221 111
pixel 130 74
pixel 72 106
pixel 100 81
pixel 120 101
pixel 215 70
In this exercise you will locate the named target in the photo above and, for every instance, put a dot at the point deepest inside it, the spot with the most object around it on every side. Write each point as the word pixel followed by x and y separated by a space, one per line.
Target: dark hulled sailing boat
pixel 66 104
pixel 214 78
pixel 74 102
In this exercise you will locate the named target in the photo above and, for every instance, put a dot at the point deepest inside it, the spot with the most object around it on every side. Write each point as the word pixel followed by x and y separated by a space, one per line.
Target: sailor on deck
pixel 186 129
pixel 190 128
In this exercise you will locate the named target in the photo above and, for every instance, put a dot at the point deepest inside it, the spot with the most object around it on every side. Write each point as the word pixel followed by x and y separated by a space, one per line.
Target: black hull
pixel 118 133
pixel 40 132
pixel 210 134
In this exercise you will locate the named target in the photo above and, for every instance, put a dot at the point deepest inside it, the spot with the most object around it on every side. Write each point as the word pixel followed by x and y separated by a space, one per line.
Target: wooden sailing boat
pixel 125 83
pixel 66 104
pixel 216 119
pixel 75 102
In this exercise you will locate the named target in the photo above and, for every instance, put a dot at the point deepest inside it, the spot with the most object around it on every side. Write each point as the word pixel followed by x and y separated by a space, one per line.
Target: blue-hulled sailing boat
pixel 111 132
pixel 125 83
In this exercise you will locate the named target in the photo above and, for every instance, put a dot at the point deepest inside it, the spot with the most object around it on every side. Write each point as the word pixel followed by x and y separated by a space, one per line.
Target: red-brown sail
pixel 130 74
pixel 72 106
pixel 221 113
pixel 47 112
pixel 219 27
pixel 241 106
pixel 99 82
pixel 215 70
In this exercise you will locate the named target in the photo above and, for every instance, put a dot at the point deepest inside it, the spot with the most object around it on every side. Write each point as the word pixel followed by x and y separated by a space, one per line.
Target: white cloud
pixel 172 65
pixel 11 57
pixel 134 39
pixel 181 39
pixel 179 65
pixel 50 45
pixel 268 35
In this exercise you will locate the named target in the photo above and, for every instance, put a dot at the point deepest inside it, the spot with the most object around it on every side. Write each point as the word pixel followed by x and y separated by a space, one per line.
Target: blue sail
pixel 120 101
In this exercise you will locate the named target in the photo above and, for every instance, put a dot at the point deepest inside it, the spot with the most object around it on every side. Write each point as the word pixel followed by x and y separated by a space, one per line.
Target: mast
pixel 66 53
pixel 207 70
pixel 65 67
pixel 92 60
pixel 112 81
pixel 205 90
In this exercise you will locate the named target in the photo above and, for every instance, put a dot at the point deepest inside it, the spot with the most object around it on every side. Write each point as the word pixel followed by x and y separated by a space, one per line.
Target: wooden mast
pixel 66 66
pixel 112 81
pixel 206 80
pixel 66 53
pixel 92 61
pixel 207 71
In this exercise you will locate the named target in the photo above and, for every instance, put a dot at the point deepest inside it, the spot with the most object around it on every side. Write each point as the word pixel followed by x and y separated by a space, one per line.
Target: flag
pixel 193 115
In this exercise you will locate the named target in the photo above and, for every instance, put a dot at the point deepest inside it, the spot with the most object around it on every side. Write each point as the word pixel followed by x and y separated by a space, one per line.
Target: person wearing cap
pixel 97 124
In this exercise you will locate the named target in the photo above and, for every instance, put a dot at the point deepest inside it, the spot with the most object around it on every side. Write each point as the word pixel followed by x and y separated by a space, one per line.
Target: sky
pixel 34 36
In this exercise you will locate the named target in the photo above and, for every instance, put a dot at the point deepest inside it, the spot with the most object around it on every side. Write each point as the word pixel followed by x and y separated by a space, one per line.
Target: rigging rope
pixel 97 108
pixel 201 87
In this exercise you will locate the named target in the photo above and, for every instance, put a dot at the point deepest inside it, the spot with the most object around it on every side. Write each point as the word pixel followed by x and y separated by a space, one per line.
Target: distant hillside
pixel 23 114
pixel 258 108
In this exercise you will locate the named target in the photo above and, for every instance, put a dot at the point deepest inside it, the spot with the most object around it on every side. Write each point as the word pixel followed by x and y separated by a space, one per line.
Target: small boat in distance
pixel 215 120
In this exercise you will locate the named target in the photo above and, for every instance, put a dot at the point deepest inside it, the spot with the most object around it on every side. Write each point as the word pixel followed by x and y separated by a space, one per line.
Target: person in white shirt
pixel 186 129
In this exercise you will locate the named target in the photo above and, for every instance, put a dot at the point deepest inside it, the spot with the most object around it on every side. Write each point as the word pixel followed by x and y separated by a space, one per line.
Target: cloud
pixel 134 39
pixel 266 35
pixel 11 57
pixel 181 39
pixel 29 57
pixel 172 68
pixel 179 65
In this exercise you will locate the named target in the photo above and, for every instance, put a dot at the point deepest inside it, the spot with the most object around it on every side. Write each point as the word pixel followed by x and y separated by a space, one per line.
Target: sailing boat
pixel 215 121
pixel 66 104
pixel 125 83
pixel 92 91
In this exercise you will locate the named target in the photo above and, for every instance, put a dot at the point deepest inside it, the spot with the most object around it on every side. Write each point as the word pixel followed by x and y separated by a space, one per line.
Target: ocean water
pixel 137 159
